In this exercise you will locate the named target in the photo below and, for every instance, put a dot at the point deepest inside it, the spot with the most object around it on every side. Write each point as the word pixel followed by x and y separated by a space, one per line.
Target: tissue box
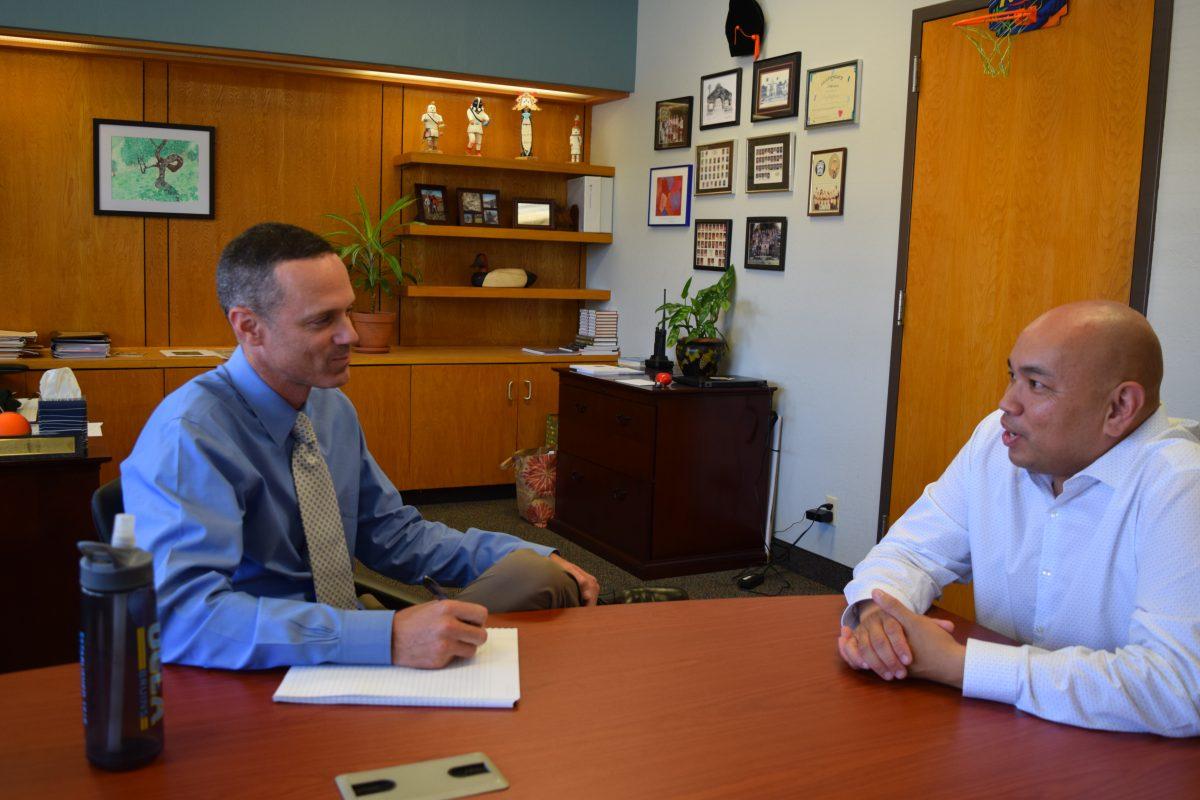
pixel 62 416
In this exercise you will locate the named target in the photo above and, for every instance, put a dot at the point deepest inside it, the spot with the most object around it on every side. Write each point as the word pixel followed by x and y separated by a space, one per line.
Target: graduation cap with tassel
pixel 745 28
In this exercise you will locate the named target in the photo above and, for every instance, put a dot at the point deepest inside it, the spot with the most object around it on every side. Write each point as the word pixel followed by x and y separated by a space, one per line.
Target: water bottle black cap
pixel 105 568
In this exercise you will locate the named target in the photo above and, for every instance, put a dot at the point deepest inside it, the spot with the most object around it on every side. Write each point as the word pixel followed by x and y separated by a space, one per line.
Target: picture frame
pixel 533 212
pixel 479 207
pixel 766 243
pixel 711 243
pixel 673 123
pixel 142 169
pixel 832 94
pixel 721 99
pixel 432 207
pixel 715 167
pixel 669 196
pixel 770 162
pixel 827 182
pixel 776 88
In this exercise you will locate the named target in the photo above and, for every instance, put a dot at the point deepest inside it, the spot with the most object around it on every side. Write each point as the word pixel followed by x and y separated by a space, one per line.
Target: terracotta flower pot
pixel 700 357
pixel 375 331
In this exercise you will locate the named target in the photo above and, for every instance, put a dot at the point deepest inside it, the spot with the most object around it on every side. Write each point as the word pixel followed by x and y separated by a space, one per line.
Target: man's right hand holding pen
pixel 431 635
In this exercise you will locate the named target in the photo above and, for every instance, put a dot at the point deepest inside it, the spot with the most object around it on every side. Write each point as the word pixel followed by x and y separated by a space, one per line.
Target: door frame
pixel 1143 245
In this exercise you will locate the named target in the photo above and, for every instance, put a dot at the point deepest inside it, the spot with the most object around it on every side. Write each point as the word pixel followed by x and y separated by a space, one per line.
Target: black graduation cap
pixel 745 28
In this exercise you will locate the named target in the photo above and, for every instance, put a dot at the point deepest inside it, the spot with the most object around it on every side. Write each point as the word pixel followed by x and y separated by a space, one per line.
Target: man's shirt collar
pixel 276 414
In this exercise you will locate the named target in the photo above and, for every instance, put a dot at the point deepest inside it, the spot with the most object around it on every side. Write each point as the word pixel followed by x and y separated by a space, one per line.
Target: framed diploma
pixel 827 182
pixel 714 167
pixel 769 163
pixel 831 95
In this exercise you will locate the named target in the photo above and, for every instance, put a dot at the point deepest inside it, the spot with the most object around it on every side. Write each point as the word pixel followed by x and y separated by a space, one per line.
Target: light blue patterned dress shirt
pixel 1101 584
pixel 210 483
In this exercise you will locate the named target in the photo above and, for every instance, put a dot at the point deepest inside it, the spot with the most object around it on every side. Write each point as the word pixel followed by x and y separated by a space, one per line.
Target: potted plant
pixel 364 247
pixel 692 326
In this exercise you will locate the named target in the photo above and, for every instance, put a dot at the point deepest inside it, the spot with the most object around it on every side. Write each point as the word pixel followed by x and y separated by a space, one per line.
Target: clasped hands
pixel 894 643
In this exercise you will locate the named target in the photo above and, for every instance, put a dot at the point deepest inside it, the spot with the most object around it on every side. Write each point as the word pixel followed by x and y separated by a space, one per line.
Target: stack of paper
pixel 490 679
pixel 13 344
pixel 605 370
pixel 80 344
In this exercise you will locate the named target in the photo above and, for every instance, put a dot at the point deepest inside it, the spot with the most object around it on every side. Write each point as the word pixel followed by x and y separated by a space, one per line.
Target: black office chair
pixel 107 502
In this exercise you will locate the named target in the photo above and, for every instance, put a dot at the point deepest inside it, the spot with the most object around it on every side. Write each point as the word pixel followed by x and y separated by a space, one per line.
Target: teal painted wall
pixel 577 42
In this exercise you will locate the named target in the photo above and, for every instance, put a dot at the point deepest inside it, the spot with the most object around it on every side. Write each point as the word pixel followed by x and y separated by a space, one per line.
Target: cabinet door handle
pixel 620 494
pixel 624 419
pixel 510 383
pixel 581 407
pixel 575 476
pixel 528 390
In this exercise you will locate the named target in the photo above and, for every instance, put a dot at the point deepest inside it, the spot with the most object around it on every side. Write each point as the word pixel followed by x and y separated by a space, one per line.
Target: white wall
pixel 821 330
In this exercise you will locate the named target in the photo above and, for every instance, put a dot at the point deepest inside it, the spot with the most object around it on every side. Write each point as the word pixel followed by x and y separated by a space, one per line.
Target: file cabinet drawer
pixel 611 431
pixel 614 508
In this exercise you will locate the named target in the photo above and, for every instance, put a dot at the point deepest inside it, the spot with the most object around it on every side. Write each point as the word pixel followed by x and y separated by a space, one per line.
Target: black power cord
pixel 750 580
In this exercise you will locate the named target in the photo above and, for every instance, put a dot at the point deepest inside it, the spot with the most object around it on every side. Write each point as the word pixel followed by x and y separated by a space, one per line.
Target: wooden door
pixel 537 396
pixel 381 397
pixel 1024 195
pixel 464 423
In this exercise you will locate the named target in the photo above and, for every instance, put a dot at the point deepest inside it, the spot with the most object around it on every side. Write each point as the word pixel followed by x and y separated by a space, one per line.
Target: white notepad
pixel 490 679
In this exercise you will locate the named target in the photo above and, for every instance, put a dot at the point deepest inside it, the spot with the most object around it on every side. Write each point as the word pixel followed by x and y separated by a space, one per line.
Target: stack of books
pixel 16 344
pixel 597 332
pixel 80 344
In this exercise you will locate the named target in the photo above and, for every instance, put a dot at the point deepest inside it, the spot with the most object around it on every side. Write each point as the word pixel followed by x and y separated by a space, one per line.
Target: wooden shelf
pixel 493 293
pixel 553 167
pixel 518 234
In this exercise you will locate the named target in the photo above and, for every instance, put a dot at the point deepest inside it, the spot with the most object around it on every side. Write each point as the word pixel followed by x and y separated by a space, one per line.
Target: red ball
pixel 13 424
pixel 663 379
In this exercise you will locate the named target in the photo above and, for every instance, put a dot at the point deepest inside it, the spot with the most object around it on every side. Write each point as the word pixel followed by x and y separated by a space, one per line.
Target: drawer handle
pixel 528 389
pixel 581 407
pixel 624 419
pixel 509 392
pixel 620 494
pixel 575 476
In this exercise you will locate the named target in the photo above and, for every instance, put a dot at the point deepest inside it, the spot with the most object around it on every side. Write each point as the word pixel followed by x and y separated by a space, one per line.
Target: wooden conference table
pixel 699 699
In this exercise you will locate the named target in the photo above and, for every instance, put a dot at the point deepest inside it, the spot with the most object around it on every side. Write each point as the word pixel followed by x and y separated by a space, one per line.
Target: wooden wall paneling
pixel 174 377
pixel 434 322
pixel 390 187
pixel 381 396
pixel 463 425
pixel 502 136
pixel 64 266
pixel 123 400
pixel 15 383
pixel 510 185
pixel 288 148
pixel 155 232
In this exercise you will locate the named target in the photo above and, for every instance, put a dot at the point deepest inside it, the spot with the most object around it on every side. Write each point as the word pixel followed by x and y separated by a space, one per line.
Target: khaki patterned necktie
pixel 327 552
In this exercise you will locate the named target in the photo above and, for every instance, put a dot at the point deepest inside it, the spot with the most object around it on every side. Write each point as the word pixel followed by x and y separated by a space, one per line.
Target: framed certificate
pixel 831 95
pixel 714 167
pixel 827 182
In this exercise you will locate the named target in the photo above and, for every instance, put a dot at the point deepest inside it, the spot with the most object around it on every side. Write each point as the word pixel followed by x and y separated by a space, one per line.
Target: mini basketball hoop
pixel 991 33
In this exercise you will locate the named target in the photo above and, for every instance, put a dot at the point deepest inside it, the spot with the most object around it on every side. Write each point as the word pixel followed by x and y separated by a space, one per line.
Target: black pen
pixel 434 587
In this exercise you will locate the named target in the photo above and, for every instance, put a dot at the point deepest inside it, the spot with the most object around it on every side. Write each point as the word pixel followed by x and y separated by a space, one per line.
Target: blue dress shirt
pixel 210 483
pixel 1099 584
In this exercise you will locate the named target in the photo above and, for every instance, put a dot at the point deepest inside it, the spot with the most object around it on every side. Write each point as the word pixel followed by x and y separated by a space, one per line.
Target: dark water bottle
pixel 121 668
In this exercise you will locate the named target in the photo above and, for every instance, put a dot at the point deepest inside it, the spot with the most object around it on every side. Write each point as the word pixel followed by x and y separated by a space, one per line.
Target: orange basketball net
pixel 1018 16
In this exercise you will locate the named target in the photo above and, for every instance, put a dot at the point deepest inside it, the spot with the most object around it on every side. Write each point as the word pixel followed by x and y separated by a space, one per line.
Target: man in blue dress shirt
pixel 211 483
pixel 1075 508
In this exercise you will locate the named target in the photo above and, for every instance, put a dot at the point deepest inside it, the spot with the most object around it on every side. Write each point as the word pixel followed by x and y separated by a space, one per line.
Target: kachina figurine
pixel 576 140
pixel 433 123
pixel 477 118
pixel 526 104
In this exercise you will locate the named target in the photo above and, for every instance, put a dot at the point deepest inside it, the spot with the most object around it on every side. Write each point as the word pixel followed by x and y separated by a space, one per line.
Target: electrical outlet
pixel 832 501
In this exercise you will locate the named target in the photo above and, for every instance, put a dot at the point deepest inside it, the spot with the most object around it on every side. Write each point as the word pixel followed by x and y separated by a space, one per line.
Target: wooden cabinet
pixel 381 397
pixel 468 418
pixel 663 481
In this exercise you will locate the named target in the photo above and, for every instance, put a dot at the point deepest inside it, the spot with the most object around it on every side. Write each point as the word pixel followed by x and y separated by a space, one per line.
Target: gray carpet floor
pixel 501 515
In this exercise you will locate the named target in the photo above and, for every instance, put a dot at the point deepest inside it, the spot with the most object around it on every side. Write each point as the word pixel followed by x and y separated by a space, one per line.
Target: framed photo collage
pixel 826 97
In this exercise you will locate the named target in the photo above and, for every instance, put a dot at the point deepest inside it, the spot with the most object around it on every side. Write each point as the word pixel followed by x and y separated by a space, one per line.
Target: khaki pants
pixel 522 581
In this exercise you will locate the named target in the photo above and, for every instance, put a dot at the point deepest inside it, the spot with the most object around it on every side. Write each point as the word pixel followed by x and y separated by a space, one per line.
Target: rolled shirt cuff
pixel 992 671
pixel 366 638
pixel 855 594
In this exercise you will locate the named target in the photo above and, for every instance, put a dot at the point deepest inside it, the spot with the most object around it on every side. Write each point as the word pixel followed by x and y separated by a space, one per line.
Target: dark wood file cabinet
pixel 660 481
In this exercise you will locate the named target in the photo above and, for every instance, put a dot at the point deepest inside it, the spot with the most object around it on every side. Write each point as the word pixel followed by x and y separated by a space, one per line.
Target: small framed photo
pixel 721 99
pixel 479 207
pixel 827 182
pixel 431 204
pixel 673 123
pixel 766 242
pixel 152 169
pixel 776 87
pixel 714 167
pixel 711 248
pixel 533 213
pixel 769 163
pixel 831 95
pixel 670 196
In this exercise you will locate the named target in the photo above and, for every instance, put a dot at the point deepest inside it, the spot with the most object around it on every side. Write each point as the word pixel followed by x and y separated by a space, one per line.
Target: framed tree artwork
pixel 152 170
